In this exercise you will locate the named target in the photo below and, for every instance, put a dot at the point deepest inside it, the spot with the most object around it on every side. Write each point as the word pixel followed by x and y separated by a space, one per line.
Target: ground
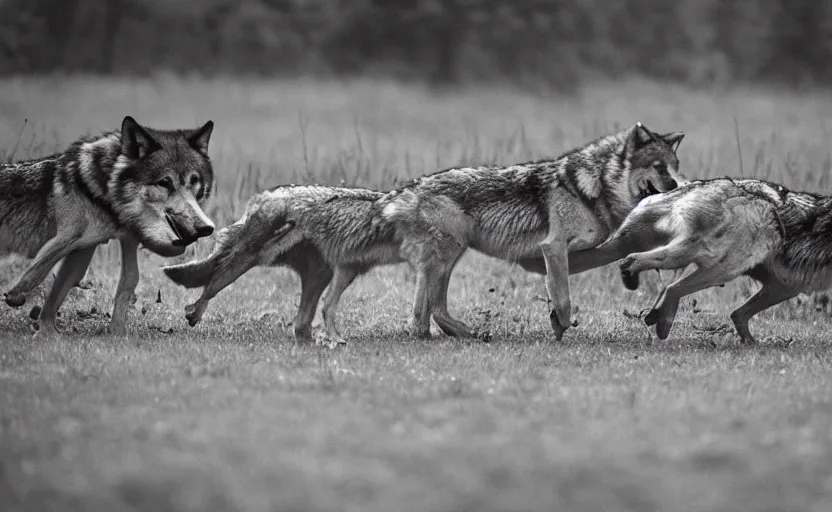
pixel 233 415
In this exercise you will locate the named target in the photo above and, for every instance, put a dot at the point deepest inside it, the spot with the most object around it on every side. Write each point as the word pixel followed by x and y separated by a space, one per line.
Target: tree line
pixel 531 43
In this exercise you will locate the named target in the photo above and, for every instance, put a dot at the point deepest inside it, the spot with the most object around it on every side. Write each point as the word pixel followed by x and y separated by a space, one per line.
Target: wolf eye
pixel 166 182
pixel 194 180
pixel 659 166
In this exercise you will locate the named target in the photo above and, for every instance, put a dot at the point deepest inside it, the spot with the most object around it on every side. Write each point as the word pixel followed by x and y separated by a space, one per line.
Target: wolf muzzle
pixel 187 235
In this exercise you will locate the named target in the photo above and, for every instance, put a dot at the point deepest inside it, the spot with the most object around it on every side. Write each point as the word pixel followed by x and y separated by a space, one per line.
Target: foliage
pixel 533 43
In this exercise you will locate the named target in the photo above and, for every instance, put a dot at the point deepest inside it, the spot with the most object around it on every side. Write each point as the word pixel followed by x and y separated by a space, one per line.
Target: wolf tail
pixel 26 220
pixel 198 273
pixel 194 274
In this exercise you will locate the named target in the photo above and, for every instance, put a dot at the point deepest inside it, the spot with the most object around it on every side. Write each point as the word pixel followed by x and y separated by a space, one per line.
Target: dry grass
pixel 232 415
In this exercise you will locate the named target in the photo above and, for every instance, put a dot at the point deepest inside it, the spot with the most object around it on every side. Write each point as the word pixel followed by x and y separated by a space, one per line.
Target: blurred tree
pixel 798 54
pixel 533 43
pixel 113 15
pixel 58 18
pixel 743 34
pixel 215 16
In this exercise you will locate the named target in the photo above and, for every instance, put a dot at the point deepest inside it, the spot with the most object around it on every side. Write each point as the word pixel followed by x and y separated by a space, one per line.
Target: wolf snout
pixel 187 232
pixel 205 230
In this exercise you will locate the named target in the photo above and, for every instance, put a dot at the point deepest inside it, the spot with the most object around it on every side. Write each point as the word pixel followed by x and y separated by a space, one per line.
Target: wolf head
pixel 162 179
pixel 652 161
pixel 260 237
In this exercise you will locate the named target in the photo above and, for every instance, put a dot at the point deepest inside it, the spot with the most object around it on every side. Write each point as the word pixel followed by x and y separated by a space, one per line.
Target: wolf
pixel 142 186
pixel 726 227
pixel 534 213
pixel 327 235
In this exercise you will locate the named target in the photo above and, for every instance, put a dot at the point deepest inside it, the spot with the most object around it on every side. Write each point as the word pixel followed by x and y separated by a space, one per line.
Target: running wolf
pixel 139 185
pixel 325 234
pixel 534 214
pixel 727 227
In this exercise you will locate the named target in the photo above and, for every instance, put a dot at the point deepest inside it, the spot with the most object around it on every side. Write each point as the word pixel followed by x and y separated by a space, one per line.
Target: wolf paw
pixel 748 340
pixel 420 334
pixel 15 299
pixel 115 330
pixel 629 273
pixel 46 331
pixel 419 331
pixel 630 280
pixel 192 314
pixel 663 328
pixel 304 334
pixel 558 329
pixel 330 341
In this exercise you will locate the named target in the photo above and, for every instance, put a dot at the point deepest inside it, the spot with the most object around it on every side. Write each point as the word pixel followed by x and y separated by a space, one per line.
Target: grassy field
pixel 233 415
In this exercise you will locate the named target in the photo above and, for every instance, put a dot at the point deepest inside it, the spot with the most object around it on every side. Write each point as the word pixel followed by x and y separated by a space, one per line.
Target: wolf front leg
pixel 72 270
pixel 127 282
pixel 420 320
pixel 438 299
pixel 344 276
pixel 555 254
pixel 313 282
pixel 663 313
pixel 47 257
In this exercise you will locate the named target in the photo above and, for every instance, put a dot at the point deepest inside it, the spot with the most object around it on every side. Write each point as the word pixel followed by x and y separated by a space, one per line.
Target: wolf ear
pixel 638 137
pixel 199 139
pixel 673 139
pixel 136 142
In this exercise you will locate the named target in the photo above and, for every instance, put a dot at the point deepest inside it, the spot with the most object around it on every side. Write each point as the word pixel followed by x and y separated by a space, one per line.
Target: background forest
pixel 531 43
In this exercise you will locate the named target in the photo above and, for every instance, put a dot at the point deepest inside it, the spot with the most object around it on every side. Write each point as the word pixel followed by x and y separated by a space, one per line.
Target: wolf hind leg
pixel 439 302
pixel 772 292
pixel 343 278
pixel 72 270
pixel 47 257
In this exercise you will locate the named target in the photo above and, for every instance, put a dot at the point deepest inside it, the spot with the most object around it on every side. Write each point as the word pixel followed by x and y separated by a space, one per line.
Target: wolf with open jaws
pixel 328 235
pixel 535 214
pixel 139 185
pixel 727 227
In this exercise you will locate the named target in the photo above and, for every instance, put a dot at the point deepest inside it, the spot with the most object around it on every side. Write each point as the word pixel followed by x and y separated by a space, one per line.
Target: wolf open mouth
pixel 649 190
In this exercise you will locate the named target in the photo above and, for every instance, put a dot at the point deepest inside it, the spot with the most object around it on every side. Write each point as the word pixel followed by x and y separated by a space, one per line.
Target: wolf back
pixel 326 234
pixel 533 213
